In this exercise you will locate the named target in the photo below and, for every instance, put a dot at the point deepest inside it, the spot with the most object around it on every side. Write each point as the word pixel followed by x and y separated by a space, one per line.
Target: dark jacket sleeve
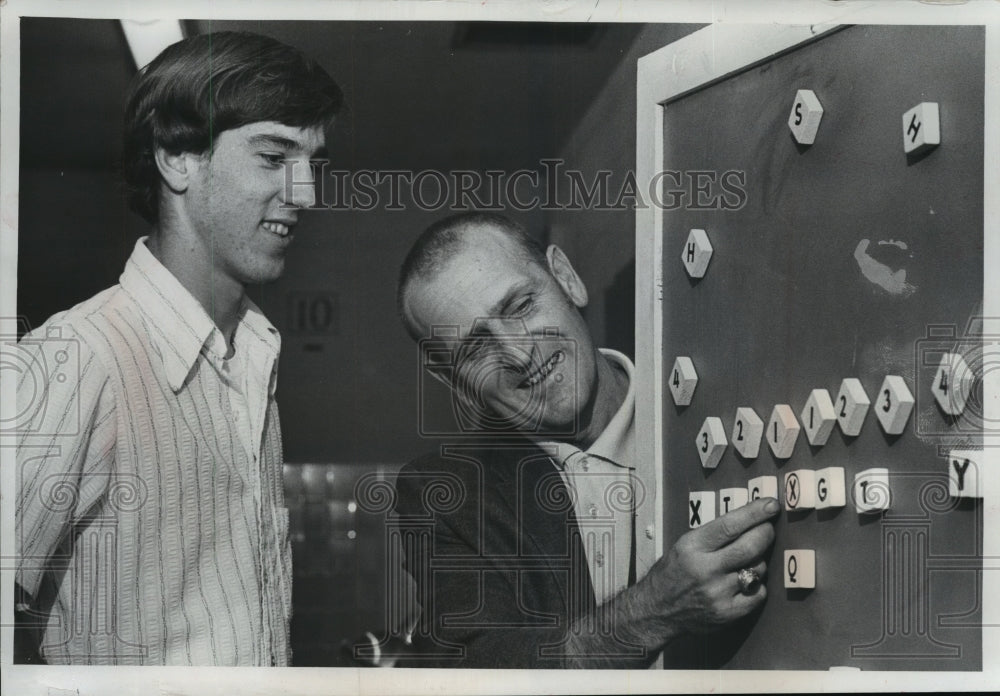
pixel 491 596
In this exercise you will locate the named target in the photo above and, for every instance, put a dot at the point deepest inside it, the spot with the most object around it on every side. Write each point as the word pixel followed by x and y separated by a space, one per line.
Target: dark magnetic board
pixel 787 306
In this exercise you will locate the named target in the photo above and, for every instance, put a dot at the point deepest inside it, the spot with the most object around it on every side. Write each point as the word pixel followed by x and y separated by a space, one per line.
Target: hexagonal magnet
pixel 782 431
pixel 818 417
pixel 893 404
pixel 871 490
pixel 697 253
pixel 711 442
pixel 921 128
pixel 851 406
pixel 747 431
pixel 806 114
pixel 952 384
pixel 683 379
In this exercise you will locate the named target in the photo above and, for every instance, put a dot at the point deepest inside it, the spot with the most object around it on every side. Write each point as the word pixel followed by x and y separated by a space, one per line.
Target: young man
pixel 532 558
pixel 150 514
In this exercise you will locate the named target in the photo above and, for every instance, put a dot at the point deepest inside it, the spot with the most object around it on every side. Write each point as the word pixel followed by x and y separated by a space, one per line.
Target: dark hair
pixel 207 84
pixel 443 239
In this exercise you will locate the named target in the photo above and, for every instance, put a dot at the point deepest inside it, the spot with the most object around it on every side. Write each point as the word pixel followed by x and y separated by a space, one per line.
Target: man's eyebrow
pixel 287 144
pixel 277 141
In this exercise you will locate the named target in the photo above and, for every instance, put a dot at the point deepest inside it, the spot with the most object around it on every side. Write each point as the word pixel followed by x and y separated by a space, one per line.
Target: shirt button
pixel 585 464
pixel 592 509
pixel 650 532
pixel 599 560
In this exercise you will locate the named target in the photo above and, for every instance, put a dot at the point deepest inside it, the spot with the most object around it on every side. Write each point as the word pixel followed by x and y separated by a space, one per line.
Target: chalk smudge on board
pixel 893 282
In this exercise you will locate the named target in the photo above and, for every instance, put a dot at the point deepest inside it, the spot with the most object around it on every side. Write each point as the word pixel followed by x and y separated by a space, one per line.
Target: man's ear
pixel 564 273
pixel 176 169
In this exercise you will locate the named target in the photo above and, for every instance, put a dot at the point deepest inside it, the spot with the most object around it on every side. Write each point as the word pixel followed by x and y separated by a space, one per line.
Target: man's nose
pixel 300 184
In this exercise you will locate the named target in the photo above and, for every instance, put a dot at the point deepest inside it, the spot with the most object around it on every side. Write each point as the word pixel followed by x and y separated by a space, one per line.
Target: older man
pixel 150 515
pixel 529 551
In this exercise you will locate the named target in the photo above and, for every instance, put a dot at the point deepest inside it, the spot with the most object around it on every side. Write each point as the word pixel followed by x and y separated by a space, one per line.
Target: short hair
pixel 437 244
pixel 207 84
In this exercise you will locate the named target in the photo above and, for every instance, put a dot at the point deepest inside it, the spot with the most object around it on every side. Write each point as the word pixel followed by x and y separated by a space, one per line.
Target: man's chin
pixel 263 276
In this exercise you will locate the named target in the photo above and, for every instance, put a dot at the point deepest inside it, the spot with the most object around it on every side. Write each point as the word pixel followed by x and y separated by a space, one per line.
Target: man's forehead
pixel 476 281
pixel 488 248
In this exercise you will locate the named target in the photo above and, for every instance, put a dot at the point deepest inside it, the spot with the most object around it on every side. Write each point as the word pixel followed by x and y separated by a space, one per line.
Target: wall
pixel 69 215
pixel 601 243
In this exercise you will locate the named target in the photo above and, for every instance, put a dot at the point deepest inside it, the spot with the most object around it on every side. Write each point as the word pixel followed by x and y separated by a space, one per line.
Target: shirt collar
pixel 254 332
pixel 618 434
pixel 179 327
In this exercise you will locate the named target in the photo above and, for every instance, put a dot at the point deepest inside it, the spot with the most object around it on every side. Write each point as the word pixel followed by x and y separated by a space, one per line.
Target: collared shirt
pixel 609 493
pixel 150 514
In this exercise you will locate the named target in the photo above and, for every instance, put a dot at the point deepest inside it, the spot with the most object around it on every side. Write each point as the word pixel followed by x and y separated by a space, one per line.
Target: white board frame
pixel 697 61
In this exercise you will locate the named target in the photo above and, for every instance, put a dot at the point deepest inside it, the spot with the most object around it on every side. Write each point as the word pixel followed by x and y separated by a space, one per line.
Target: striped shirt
pixel 150 514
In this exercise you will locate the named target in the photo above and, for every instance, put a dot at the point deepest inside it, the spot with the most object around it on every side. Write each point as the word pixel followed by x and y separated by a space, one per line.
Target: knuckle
pixel 727 527
pixel 676 554
pixel 686 547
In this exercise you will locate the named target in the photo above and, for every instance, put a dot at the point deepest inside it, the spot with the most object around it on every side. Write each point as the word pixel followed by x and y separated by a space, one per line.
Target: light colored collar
pixel 179 327
pixel 618 433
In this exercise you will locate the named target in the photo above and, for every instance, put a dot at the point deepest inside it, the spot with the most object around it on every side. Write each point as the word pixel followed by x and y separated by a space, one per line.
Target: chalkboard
pixel 843 258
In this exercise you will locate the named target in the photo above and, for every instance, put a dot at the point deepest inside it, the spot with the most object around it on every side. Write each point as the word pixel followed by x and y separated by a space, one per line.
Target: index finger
pixel 726 529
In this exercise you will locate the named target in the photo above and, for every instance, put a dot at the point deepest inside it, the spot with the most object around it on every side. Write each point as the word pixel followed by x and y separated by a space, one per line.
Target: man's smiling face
pixel 239 202
pixel 522 344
